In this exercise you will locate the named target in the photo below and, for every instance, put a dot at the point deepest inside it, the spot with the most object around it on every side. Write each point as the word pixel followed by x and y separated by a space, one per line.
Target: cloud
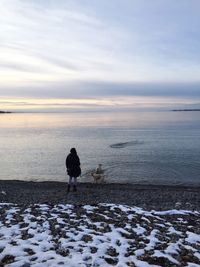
pixel 103 90
pixel 19 67
pixel 96 104
pixel 68 49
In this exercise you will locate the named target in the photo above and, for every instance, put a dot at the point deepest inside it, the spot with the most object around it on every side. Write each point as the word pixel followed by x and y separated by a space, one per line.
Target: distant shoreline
pixel 180 110
pixel 38 112
pixel 5 112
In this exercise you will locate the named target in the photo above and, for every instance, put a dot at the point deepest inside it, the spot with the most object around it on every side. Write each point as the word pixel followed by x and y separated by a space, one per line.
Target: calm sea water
pixel 135 147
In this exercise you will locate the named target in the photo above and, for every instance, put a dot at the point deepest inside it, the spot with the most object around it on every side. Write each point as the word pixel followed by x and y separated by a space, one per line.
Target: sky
pixel 57 55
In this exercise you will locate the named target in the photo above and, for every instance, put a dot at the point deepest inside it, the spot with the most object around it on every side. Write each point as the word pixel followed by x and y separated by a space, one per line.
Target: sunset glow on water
pixel 152 147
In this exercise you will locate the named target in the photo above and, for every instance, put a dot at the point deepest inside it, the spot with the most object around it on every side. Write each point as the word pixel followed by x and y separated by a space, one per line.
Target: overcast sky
pixel 102 51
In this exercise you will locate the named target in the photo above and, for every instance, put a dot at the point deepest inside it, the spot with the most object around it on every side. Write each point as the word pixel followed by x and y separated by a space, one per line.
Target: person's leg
pixel 75 184
pixel 70 183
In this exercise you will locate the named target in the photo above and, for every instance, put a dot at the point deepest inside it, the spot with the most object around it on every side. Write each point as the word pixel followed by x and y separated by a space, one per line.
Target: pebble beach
pixel 146 196
pixel 99 225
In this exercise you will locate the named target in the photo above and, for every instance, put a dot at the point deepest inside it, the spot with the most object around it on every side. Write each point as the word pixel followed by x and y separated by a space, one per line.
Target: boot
pixel 68 188
pixel 74 189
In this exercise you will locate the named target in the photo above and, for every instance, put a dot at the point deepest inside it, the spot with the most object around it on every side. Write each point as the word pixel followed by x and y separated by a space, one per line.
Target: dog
pixel 98 174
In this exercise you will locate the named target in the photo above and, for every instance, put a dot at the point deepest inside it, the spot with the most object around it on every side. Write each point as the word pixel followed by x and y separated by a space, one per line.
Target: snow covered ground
pixel 100 235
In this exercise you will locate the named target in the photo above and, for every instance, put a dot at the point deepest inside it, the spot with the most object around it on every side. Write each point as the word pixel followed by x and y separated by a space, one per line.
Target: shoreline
pixel 57 183
pixel 157 197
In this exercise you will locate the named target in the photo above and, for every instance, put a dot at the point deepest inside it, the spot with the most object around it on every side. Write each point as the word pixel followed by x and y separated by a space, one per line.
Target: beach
pixel 146 196
pixel 99 225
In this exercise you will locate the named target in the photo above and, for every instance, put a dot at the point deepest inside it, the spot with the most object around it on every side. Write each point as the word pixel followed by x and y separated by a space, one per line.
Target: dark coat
pixel 73 165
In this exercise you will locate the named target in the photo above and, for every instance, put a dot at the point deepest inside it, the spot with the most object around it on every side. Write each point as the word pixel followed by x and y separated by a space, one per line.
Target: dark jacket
pixel 73 165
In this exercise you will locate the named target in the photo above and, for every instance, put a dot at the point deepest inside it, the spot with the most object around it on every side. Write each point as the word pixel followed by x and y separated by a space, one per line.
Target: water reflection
pixel 152 147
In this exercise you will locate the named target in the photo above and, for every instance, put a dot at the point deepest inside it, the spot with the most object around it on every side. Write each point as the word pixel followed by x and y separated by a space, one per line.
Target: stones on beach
pixel 25 235
pixel 146 196
pixel 7 259
pixel 17 218
pixel 93 249
pixel 27 264
pixel 131 264
pixel 29 251
pixel 111 251
pixel 111 261
pixel 63 252
pixel 158 261
pixel 3 193
pixel 105 232
pixel 105 228
pixel 87 238
pixel 96 217
pixel 118 243
pixel 178 205
pixel 188 205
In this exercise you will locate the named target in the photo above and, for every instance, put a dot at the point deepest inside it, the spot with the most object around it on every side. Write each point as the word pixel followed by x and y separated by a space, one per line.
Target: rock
pixel 18 218
pixel 131 264
pixel 162 261
pixel 13 243
pixel 106 228
pixel 26 236
pixel 63 252
pixel 26 265
pixel 118 243
pixel 188 205
pixel 93 250
pixel 120 224
pixel 111 261
pixel 87 258
pixel 7 259
pixel 97 217
pixel 178 205
pixel 23 225
pixel 86 238
pixel 33 258
pixel 29 251
pixel 112 252
pixel 186 258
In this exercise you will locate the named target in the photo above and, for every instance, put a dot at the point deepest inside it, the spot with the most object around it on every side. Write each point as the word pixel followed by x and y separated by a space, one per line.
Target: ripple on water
pixel 126 144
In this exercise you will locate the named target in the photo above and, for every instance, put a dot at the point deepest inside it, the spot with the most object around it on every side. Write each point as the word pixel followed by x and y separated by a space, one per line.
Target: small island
pixel 186 109
pixel 4 112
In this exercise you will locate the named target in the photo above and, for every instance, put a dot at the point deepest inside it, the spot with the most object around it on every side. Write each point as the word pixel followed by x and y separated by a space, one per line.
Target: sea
pixel 137 147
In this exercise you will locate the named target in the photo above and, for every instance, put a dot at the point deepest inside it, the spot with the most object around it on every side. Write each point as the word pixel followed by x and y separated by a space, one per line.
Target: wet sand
pixel 146 196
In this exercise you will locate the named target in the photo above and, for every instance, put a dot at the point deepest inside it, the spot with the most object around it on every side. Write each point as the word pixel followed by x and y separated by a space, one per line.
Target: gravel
pixel 146 196
pixel 97 235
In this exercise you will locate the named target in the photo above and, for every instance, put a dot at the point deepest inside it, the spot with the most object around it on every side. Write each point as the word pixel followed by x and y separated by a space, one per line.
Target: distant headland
pixel 196 109
pixel 3 112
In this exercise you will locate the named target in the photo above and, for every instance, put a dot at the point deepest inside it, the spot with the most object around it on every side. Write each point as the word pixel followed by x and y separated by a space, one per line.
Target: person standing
pixel 73 169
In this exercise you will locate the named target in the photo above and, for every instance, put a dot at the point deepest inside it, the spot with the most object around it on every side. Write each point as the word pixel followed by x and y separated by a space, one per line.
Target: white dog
pixel 98 175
